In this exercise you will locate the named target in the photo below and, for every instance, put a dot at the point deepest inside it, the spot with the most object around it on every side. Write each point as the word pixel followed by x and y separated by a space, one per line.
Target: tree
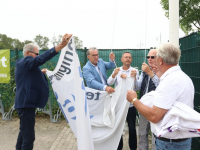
pixel 9 43
pixel 41 41
pixel 189 14
pixel 78 43
pixel 27 42
pixel 55 41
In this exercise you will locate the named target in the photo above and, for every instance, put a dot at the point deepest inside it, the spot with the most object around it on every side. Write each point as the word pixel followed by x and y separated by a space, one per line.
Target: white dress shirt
pixel 175 86
pixel 101 76
pixel 118 79
pixel 180 121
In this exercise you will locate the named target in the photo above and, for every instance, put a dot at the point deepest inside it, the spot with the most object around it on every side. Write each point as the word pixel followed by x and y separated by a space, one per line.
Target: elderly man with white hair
pixel 32 89
pixel 175 86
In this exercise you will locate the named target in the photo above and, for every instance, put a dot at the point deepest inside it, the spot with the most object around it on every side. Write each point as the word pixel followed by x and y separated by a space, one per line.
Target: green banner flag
pixel 5 66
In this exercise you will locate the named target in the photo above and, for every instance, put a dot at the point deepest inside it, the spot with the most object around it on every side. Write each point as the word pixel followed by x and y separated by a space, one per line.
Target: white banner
pixel 100 127
pixel 69 89
pixel 108 114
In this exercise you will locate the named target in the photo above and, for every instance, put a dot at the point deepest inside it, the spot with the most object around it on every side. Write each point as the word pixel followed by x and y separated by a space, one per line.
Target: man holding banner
pixel 174 87
pixel 94 71
pixel 32 89
pixel 118 74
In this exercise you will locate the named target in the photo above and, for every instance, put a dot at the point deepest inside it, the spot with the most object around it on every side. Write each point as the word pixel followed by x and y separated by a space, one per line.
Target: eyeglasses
pixel 152 57
pixel 35 53
pixel 95 55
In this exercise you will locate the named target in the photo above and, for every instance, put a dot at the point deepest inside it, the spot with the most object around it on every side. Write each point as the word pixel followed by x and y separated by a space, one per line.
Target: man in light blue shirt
pixel 94 71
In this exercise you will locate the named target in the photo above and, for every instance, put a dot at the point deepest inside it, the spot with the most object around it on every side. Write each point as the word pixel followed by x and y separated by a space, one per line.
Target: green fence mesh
pixel 190 64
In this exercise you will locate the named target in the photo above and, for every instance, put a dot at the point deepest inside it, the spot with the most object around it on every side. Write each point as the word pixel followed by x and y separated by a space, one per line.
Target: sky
pixel 105 24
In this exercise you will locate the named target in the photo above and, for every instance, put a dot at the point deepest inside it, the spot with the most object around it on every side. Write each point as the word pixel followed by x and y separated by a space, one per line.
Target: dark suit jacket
pixel 31 84
pixel 92 77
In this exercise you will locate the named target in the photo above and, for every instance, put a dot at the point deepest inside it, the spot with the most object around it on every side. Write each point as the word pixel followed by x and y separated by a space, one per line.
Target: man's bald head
pixel 153 51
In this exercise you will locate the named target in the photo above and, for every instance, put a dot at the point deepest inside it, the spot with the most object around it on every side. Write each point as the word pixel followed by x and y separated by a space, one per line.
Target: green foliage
pixel 55 41
pixel 41 41
pixel 9 43
pixel 189 14
pixel 78 43
pixel 6 90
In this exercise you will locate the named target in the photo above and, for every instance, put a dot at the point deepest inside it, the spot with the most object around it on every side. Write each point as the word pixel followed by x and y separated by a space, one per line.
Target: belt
pixel 168 140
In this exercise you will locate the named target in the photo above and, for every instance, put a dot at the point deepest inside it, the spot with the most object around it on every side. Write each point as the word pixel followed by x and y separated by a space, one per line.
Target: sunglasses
pixel 35 53
pixel 152 57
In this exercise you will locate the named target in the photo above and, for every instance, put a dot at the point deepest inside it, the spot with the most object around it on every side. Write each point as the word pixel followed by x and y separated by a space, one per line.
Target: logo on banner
pixel 65 67
pixel 4 66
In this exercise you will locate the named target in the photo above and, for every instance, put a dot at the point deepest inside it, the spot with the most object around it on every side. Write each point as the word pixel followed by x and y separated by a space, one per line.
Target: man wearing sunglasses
pixel 32 89
pixel 175 87
pixel 147 82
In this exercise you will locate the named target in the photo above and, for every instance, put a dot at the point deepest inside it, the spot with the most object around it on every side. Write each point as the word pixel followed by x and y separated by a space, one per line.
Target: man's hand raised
pixel 133 73
pixel 64 42
pixel 115 72
pixel 147 69
pixel 110 89
pixel 112 56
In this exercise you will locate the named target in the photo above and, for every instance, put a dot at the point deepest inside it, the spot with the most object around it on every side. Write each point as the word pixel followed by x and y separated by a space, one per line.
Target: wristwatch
pixel 133 100
pixel 152 76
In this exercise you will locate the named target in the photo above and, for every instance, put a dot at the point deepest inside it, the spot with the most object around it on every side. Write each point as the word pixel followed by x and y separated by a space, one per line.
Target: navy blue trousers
pixel 26 135
pixel 131 116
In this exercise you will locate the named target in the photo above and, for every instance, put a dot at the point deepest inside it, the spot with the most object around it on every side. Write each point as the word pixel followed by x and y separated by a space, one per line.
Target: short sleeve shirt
pixel 174 86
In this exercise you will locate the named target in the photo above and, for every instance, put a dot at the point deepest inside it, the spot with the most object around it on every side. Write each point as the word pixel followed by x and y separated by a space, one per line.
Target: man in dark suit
pixel 32 89
pixel 94 71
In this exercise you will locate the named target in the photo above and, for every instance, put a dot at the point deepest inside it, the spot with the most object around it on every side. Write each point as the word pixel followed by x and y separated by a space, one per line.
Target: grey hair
pixel 91 49
pixel 169 53
pixel 29 47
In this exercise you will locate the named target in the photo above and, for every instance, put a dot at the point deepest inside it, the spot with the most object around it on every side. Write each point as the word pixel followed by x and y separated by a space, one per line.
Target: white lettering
pixel 3 60
pixel 3 75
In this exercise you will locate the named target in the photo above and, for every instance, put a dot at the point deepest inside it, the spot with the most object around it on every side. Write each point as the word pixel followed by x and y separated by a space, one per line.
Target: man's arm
pixel 111 80
pixel 138 82
pixel 32 63
pixel 110 65
pixel 151 74
pixel 64 42
pixel 156 80
pixel 154 114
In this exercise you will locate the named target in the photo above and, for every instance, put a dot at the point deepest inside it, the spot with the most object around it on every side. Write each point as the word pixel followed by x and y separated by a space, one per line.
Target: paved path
pixel 49 136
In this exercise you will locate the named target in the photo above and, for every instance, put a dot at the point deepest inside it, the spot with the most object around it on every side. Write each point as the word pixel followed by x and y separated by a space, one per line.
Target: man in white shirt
pixel 174 86
pixel 147 82
pixel 126 71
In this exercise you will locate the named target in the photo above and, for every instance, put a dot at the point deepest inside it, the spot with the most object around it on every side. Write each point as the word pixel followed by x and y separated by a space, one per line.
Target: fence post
pixel 85 50
pixel 16 54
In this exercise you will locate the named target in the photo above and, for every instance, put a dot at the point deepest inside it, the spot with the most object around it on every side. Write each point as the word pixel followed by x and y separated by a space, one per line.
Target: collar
pixel 170 70
pixel 121 68
pixel 93 64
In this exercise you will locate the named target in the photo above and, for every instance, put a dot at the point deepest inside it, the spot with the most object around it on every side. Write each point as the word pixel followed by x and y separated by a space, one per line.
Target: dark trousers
pixel 131 116
pixel 26 135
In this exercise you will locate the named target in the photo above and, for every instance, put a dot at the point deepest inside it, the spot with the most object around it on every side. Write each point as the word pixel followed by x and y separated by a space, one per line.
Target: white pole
pixel 174 22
